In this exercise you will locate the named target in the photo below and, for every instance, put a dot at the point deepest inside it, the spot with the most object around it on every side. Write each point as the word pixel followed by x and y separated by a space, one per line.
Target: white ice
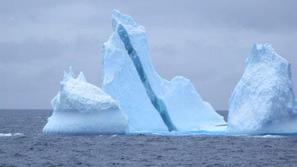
pixel 82 108
pixel 11 134
pixel 151 102
pixel 263 100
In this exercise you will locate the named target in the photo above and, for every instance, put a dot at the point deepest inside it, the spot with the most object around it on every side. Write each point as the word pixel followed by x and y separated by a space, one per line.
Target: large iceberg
pixel 263 101
pixel 82 108
pixel 151 102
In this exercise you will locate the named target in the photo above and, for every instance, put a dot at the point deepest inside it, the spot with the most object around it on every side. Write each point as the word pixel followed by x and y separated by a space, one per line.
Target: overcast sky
pixel 205 41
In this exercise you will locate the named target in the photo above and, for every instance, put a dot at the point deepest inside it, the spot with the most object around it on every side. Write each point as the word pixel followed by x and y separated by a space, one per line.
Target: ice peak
pixel 119 18
pixel 262 48
pixel 265 53
pixel 81 77
pixel 116 13
pixel 68 75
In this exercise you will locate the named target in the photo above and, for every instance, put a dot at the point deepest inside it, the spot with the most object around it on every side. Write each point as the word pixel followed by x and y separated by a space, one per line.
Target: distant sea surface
pixel 23 144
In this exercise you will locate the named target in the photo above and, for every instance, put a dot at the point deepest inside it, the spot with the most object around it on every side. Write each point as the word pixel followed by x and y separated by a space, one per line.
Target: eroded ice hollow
pixel 263 100
pixel 151 102
pixel 82 108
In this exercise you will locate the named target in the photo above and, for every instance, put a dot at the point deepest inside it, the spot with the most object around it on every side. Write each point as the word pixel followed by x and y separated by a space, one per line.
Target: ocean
pixel 23 144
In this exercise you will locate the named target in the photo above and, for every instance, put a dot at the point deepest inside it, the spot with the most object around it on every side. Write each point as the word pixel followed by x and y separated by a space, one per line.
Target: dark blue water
pixel 34 149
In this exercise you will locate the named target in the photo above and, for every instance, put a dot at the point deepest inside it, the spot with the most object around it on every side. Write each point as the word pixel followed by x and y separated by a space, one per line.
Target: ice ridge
pixel 155 100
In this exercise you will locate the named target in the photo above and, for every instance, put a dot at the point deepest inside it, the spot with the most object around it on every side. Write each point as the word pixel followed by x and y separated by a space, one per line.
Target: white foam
pixel 11 134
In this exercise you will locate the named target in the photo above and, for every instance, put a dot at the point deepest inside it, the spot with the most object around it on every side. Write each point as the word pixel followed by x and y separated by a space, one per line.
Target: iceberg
pixel 82 108
pixel 263 100
pixel 151 102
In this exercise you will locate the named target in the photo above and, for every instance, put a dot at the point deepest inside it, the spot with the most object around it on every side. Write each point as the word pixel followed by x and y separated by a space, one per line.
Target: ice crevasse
pixel 150 102
pixel 82 108
pixel 263 100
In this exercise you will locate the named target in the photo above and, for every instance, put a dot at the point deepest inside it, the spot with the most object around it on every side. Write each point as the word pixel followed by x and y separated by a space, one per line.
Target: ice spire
pixel 151 102
pixel 69 75
pixel 81 77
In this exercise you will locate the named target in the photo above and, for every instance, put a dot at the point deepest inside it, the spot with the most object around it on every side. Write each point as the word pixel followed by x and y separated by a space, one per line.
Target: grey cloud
pixel 30 50
pixel 206 41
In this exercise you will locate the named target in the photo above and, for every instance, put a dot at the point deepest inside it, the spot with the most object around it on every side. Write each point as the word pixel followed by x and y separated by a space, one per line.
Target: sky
pixel 205 41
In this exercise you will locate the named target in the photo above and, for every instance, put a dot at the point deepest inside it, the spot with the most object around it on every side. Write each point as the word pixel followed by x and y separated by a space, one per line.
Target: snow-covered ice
pixel 151 102
pixel 263 101
pixel 82 108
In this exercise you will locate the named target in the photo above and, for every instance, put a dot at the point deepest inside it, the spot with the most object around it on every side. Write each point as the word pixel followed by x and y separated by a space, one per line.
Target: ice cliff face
pixel 82 108
pixel 263 100
pixel 151 102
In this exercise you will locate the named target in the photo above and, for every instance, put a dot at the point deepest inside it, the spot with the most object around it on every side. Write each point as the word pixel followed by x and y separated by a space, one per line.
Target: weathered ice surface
pixel 82 108
pixel 263 100
pixel 151 102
